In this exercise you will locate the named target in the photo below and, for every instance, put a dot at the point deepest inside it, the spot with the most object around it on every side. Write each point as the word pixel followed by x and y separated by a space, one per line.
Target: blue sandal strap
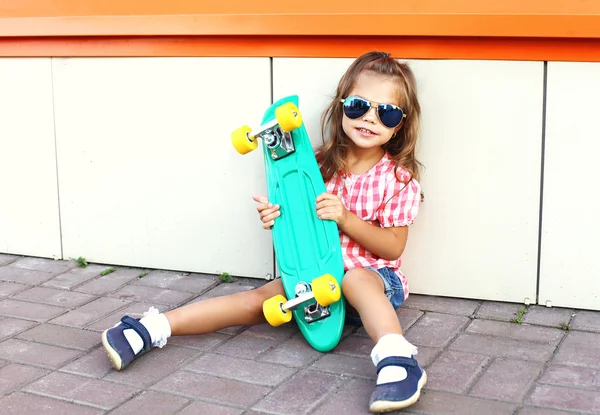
pixel 139 329
pixel 405 362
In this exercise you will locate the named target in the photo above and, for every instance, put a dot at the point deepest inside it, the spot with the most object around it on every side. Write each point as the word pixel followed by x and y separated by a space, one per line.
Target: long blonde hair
pixel 401 148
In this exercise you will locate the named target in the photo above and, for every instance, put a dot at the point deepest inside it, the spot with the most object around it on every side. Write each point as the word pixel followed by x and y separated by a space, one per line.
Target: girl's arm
pixel 386 243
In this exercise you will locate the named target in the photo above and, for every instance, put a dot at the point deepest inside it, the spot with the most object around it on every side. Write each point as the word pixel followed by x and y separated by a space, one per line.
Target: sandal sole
pixel 389 406
pixel 113 356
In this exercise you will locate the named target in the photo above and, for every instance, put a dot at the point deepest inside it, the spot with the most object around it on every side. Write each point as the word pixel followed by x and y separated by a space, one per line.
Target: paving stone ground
pixel 478 360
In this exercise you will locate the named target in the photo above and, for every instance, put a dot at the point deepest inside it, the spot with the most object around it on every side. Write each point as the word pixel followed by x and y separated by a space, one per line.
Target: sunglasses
pixel 390 115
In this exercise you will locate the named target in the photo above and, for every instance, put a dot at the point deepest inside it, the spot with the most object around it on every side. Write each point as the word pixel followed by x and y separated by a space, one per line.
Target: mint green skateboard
pixel 307 249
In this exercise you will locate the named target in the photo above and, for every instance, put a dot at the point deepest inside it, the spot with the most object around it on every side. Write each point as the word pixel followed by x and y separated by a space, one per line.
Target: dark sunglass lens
pixel 356 107
pixel 390 115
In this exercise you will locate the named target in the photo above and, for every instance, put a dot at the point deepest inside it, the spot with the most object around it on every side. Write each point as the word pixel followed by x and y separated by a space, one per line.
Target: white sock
pixel 392 345
pixel 157 325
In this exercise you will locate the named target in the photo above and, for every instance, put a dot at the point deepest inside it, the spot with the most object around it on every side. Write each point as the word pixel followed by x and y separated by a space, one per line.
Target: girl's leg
pixel 207 316
pixel 400 378
pixel 365 292
pixel 125 342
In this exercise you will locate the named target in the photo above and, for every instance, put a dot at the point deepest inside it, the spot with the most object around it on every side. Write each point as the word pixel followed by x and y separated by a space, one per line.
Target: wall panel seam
pixel 542 165
pixel 60 235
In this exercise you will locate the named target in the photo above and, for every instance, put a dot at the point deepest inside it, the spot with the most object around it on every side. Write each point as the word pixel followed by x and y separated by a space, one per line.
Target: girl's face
pixel 367 132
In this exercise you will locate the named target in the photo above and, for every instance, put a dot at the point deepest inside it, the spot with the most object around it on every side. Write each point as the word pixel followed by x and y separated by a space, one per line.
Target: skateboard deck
pixel 306 247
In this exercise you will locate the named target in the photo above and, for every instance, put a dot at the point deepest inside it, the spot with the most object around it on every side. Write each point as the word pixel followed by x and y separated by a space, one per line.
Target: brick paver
pixel 14 376
pixel 212 388
pixel 546 335
pixel 24 275
pixel 11 326
pixel 76 277
pixel 345 365
pixel 51 296
pixel 92 392
pixel 10 288
pixel 493 310
pixel 586 320
pixel 154 366
pixel 91 282
pixel 580 349
pixel 61 336
pixel 507 380
pixel 301 393
pixel 294 352
pixel 245 370
pixel 557 397
pixel 435 329
pixel 36 354
pixel 19 403
pixel 150 402
pixel 29 311
pixel 502 347
pixel 7 259
pixel 545 316
pixel 456 306
pixel 580 377
pixel 455 371
pixel 478 359
pixel 178 281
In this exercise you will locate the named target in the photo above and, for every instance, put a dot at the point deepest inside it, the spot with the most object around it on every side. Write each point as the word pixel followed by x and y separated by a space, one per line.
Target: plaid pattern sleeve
pixel 401 201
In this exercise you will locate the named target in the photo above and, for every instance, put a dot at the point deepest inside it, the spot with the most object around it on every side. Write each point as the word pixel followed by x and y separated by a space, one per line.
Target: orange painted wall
pixel 464 29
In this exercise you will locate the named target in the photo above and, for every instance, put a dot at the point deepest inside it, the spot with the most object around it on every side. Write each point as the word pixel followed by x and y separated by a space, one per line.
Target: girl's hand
pixel 330 207
pixel 267 211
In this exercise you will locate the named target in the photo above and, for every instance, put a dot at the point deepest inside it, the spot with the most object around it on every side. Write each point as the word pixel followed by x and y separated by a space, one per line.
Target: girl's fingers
pixel 321 213
pixel 325 196
pixel 269 211
pixel 261 207
pixel 327 199
pixel 263 203
pixel 261 199
pixel 328 204
pixel 328 213
pixel 271 217
pixel 325 203
pixel 326 216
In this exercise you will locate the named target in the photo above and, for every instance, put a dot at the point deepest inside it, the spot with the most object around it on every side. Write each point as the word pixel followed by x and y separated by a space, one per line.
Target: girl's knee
pixel 356 279
pixel 351 278
pixel 254 299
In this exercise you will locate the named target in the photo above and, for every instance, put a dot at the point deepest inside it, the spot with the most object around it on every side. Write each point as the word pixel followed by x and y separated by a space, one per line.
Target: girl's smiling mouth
pixel 365 131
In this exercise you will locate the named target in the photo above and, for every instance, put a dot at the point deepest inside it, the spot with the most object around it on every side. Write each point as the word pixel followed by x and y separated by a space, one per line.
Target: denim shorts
pixel 393 291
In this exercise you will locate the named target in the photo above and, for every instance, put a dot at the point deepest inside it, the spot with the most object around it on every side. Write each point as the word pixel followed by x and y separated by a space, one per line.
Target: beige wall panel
pixel 29 217
pixel 148 175
pixel 570 269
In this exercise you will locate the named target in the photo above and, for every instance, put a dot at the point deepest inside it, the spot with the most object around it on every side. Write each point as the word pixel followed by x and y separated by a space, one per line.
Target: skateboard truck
pixel 316 298
pixel 313 311
pixel 278 141
pixel 275 133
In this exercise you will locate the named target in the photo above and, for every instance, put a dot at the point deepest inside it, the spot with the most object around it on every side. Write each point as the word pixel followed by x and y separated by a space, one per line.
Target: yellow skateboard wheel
pixel 241 140
pixel 326 290
pixel 274 312
pixel 288 116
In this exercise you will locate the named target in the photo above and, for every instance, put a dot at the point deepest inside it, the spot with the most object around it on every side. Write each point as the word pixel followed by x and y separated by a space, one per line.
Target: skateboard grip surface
pixel 306 247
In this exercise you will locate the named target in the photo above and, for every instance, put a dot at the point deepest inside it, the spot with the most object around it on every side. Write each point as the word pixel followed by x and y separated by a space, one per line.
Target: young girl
pixel 373 195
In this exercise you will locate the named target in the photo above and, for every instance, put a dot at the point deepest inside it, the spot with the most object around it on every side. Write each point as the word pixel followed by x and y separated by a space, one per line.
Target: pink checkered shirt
pixel 366 195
